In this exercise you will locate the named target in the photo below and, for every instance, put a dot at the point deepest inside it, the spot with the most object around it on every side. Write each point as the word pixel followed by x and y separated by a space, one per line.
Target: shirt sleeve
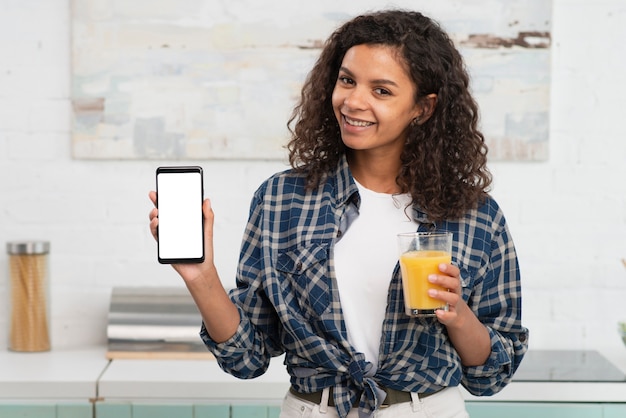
pixel 248 352
pixel 496 301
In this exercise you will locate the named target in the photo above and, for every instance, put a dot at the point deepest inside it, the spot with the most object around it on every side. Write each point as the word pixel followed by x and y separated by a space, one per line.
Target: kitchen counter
pixel 188 379
pixel 87 374
pixel 51 375
pixel 566 376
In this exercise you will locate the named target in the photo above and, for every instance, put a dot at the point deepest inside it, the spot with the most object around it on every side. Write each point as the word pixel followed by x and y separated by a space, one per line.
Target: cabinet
pixel 538 410
pixel 180 410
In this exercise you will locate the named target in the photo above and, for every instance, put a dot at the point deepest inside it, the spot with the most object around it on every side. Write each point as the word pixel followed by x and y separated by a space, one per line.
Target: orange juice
pixel 416 266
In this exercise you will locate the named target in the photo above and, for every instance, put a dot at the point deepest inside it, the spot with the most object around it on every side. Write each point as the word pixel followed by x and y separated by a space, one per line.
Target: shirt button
pixel 299 266
pixel 523 337
pixel 339 234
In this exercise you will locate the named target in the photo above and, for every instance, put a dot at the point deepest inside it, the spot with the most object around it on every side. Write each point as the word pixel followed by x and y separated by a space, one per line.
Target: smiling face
pixel 374 99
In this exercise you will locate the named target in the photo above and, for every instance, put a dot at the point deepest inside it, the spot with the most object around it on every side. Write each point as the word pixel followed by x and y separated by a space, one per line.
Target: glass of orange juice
pixel 420 256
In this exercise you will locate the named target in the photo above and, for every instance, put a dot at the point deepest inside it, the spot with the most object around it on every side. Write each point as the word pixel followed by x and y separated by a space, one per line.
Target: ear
pixel 425 108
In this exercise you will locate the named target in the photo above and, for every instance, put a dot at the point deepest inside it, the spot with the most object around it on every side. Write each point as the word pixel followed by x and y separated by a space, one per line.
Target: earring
pixel 415 122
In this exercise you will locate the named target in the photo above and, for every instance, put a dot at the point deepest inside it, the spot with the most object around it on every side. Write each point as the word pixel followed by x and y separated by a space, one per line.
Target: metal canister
pixel 29 319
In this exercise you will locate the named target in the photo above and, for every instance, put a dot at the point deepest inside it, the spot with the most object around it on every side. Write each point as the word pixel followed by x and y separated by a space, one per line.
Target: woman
pixel 384 140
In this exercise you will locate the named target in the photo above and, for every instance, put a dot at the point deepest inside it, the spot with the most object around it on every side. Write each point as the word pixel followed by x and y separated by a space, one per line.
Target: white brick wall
pixel 567 215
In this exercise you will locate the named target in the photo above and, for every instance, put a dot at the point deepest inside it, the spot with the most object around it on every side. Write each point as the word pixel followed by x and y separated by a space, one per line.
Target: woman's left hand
pixel 449 279
pixel 468 335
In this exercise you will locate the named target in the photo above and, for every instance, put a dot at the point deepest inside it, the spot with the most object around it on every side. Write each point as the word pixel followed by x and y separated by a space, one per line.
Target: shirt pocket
pixel 304 280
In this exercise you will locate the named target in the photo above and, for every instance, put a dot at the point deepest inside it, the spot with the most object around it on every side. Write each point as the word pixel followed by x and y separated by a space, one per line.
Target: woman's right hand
pixel 190 271
pixel 219 314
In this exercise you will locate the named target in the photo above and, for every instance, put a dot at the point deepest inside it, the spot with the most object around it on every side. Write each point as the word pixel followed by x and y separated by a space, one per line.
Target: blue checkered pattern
pixel 289 303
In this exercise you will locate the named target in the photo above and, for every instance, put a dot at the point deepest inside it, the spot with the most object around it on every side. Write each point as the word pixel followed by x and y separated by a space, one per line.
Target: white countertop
pixel 51 375
pixel 189 379
pixel 86 374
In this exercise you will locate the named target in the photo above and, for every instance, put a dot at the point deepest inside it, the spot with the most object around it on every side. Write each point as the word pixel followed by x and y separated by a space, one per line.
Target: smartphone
pixel 180 234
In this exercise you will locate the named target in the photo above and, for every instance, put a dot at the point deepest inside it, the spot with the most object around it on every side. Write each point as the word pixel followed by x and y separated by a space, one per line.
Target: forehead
pixel 376 58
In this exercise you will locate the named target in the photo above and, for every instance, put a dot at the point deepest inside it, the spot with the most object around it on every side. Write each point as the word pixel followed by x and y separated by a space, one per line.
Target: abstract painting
pixel 217 79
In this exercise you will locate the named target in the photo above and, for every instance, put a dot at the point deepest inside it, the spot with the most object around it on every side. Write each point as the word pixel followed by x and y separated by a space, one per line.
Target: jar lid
pixel 28 247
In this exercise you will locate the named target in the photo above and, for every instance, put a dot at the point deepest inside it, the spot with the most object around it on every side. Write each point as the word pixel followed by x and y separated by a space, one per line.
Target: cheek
pixel 337 102
pixel 336 99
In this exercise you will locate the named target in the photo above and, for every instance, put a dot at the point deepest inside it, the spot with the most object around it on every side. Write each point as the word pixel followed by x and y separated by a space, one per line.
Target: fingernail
pixel 432 292
pixel 443 267
pixel 432 278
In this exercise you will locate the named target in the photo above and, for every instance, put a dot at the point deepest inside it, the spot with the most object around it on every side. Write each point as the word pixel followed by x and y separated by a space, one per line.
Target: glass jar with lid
pixel 29 309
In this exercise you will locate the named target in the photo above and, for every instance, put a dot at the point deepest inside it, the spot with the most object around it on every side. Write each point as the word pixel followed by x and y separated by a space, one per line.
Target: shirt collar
pixel 346 189
pixel 348 192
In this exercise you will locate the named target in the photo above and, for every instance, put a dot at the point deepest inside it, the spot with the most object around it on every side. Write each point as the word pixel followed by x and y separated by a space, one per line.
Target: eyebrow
pixel 376 81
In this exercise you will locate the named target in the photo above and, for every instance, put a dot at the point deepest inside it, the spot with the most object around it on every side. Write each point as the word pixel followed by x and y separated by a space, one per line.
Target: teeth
pixel 358 122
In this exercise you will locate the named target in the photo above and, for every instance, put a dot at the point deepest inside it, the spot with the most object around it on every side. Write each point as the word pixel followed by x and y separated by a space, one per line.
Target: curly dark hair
pixel 444 159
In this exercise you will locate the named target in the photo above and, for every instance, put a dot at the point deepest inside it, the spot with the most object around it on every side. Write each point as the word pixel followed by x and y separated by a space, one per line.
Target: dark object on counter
pixel 567 366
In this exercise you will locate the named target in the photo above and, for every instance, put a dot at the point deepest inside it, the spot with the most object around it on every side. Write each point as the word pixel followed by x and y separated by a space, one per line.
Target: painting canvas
pixel 214 79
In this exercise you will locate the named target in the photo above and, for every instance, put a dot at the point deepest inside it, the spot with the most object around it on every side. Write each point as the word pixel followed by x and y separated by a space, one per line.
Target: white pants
pixel 448 403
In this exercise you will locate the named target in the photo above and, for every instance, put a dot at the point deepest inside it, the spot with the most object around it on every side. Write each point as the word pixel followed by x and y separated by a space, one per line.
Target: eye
pixel 343 79
pixel 381 91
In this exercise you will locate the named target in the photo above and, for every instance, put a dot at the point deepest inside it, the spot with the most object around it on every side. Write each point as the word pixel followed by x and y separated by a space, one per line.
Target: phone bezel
pixel 174 170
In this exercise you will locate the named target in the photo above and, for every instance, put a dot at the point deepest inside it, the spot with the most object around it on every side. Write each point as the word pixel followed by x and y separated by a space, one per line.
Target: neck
pixel 377 173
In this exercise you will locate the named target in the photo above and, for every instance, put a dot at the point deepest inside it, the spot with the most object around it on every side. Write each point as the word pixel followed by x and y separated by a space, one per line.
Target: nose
pixel 355 99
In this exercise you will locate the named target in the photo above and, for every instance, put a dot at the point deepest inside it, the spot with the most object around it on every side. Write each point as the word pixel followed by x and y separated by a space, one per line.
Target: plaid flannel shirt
pixel 289 303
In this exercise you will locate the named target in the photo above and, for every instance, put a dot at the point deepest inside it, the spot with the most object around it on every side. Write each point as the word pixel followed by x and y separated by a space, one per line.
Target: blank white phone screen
pixel 180 215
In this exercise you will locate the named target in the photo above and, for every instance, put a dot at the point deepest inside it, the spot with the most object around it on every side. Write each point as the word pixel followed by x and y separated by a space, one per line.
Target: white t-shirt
pixel 365 258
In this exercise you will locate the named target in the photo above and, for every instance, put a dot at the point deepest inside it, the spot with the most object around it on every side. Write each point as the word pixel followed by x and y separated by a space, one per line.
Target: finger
pixel 445 317
pixel 450 298
pixel 207 211
pixel 152 195
pixel 209 216
pixel 154 213
pixel 453 284
pixel 449 269
pixel 154 227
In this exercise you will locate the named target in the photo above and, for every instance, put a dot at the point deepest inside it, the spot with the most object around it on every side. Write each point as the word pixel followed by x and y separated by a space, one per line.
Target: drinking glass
pixel 420 254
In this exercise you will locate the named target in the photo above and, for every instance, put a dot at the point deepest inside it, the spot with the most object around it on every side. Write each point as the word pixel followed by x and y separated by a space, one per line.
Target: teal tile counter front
pixel 614 411
pixel 141 410
pixel 46 410
pixel 158 410
pixel 545 410
pixel 538 410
